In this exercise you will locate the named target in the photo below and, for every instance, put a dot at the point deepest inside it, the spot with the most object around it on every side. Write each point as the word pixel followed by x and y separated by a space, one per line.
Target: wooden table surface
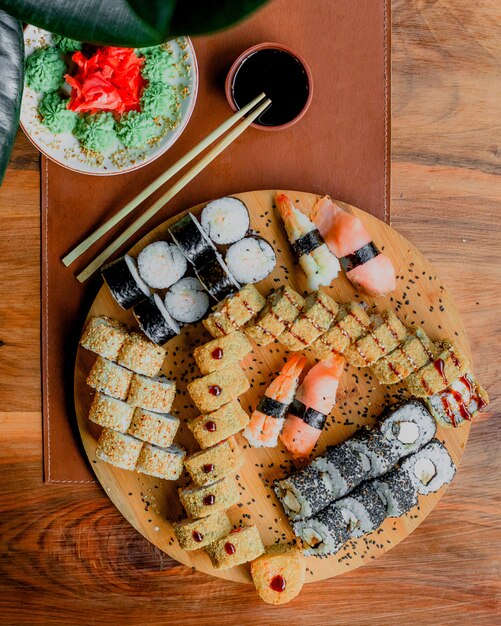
pixel 68 557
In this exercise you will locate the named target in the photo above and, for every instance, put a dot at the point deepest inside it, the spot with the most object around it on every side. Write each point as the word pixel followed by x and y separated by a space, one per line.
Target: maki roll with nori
pixel 362 510
pixel 304 493
pixel 396 491
pixel 161 264
pixel 187 300
pixel 430 468
pixel 251 259
pixel 124 282
pixel 155 321
pixel 324 533
pixel 225 220
pixel 345 467
pixel 217 278
pixel 408 427
pixel 192 240
pixel 374 445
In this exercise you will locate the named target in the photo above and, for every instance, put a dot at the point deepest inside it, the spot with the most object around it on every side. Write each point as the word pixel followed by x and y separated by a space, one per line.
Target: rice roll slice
pixel 234 311
pixel 408 427
pixel 430 468
pixel 240 546
pixel 124 282
pixel 155 321
pixel 385 334
pixel 362 510
pixel 281 309
pixel 351 323
pixel 251 259
pixel 278 574
pixel 225 220
pixel 187 300
pixel 222 352
pixel 161 264
pixel 166 463
pixel 154 394
pixel 110 412
pixel 345 467
pixel 141 356
pixel 196 534
pixel 217 278
pixel 323 534
pixel 214 463
pixel 305 492
pixel 191 239
pixel 220 387
pixel 156 428
pixel 205 500
pixel 376 447
pixel 109 378
pixel 118 449
pixel 211 428
pixel 397 492
pixel 104 336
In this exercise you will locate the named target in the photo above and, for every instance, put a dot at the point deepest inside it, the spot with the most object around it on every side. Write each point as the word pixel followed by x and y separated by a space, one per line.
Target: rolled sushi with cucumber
pixel 161 264
pixel 430 468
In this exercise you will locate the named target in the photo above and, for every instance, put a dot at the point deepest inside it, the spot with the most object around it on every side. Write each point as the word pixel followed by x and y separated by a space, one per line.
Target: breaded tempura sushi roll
pixel 440 373
pixel 109 378
pixel 110 412
pixel 214 463
pixel 154 394
pixel 385 334
pixel 281 309
pixel 222 352
pixel 351 323
pixel 195 534
pixel 317 314
pixel 278 574
pixel 157 428
pixel 141 356
pixel 234 311
pixel 212 391
pixel 118 449
pixel 239 546
pixel 213 427
pixel 104 336
pixel 202 501
pixel 166 463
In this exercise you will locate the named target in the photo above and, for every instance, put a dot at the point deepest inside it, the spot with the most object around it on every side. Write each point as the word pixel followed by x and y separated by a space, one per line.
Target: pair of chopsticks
pixel 170 193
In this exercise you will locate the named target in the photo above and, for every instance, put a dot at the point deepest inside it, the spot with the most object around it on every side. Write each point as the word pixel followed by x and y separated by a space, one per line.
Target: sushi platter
pixel 419 305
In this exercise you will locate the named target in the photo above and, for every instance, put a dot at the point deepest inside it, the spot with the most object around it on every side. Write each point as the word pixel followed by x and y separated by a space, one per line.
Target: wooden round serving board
pixel 150 504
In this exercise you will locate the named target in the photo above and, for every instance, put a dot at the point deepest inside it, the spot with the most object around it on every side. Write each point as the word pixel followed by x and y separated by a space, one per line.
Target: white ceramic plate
pixel 66 150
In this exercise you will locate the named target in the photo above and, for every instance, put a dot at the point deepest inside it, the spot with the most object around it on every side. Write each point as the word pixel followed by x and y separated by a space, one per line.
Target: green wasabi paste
pixel 159 65
pixel 55 115
pixel 65 44
pixel 96 132
pixel 158 99
pixel 45 69
pixel 135 128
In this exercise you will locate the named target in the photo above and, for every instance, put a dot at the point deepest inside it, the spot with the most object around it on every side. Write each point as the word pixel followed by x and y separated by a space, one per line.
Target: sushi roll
pixel 305 492
pixel 225 220
pixel 222 352
pixel 109 378
pixel 385 334
pixel 450 364
pixel 323 534
pixel 124 282
pixel 281 309
pixel 205 500
pixel 239 546
pixel 153 394
pixel 374 446
pixel 351 323
pixel 414 352
pixel 217 278
pixel 213 390
pixel 155 321
pixel 345 467
pixel 317 261
pixel 214 427
pixel 317 314
pixel 166 463
pixel 430 468
pixel 459 402
pixel 110 413
pixel 278 574
pixel 192 240
pixel 156 428
pixel 104 336
pixel 397 492
pixel 196 534
pixel 118 449
pixel 187 301
pixel 362 510
pixel 408 427
pixel 251 259
pixel 234 311
pixel 161 264
pixel 141 356
pixel 214 463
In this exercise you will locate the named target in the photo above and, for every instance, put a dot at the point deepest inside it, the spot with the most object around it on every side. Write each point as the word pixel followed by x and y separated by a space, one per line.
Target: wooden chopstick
pixel 170 193
pixel 158 182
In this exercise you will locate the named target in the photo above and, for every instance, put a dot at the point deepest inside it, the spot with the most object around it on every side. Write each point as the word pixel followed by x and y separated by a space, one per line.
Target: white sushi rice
pixel 430 468
pixel 251 259
pixel 225 220
pixel 161 264
pixel 187 300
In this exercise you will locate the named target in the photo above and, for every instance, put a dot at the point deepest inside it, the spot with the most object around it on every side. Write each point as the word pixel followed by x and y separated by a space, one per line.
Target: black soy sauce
pixel 281 76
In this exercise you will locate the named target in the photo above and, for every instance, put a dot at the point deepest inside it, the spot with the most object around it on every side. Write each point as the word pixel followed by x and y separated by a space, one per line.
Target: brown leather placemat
pixel 340 147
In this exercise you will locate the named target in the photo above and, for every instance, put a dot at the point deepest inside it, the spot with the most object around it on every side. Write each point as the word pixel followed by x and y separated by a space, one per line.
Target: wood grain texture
pixel 69 557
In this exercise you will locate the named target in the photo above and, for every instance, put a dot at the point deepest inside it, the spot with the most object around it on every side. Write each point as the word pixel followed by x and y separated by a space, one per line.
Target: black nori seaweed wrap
pixel 313 418
pixel 189 236
pixel 122 284
pixel 272 408
pixel 153 322
pixel 216 278
pixel 359 257
pixel 307 243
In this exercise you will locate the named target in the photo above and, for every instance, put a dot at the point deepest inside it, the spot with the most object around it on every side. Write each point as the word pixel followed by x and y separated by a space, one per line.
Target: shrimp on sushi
pixel 313 402
pixel 319 264
pixel 346 236
pixel 267 420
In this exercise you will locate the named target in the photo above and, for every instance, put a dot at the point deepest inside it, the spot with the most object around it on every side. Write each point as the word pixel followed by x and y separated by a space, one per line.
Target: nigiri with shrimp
pixel 314 401
pixel 319 264
pixel 267 420
pixel 346 236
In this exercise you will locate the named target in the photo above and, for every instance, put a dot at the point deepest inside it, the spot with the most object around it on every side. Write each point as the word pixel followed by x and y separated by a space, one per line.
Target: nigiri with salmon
pixel 267 420
pixel 346 236
pixel 312 404
pixel 317 261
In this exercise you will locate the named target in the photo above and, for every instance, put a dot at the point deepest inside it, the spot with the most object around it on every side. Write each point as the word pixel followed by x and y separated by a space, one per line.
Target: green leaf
pixel 207 16
pixel 12 72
